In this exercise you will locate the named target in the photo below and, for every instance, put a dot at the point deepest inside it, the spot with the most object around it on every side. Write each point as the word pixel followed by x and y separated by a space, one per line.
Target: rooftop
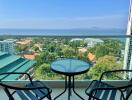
pixel 24 42
pixel 9 40
pixel 91 56
pixel 13 63
pixel 29 56
pixel 93 40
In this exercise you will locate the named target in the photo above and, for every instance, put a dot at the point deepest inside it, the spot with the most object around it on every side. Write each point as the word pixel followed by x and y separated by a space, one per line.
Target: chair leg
pixel 49 97
pixel 89 98
pixel 8 93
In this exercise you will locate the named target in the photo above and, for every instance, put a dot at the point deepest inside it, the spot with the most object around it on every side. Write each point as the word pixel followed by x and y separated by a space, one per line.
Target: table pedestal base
pixel 70 85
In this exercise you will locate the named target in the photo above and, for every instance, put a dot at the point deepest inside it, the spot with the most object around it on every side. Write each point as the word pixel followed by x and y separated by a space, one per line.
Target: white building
pixel 76 39
pixel 8 46
pixel 91 42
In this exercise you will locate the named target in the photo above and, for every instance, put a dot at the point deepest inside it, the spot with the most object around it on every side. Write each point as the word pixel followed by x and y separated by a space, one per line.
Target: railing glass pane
pixel 34 55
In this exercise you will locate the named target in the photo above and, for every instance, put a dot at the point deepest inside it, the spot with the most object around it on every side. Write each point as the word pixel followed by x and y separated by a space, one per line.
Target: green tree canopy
pixel 44 72
pixel 101 50
pixel 114 46
pixel 69 52
pixel 109 47
pixel 103 64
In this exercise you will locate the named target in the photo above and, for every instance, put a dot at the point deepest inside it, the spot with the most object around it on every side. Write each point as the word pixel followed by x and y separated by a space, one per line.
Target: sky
pixel 64 14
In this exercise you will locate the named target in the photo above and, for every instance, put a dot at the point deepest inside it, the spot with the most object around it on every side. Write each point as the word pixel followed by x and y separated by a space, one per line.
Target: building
pixel 30 56
pixel 24 42
pixel 76 39
pixel 91 42
pixel 8 46
pixel 14 63
pixel 82 50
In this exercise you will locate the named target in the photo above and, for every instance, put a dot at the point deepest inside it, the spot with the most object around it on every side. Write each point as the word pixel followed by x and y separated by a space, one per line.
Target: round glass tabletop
pixel 69 66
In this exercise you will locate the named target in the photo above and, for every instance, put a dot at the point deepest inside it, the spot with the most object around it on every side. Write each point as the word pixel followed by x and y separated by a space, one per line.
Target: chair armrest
pixel 9 73
pixel 24 88
pixel 96 84
pixel 113 71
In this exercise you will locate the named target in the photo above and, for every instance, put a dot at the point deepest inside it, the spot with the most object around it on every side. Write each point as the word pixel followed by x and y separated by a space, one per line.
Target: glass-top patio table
pixel 69 68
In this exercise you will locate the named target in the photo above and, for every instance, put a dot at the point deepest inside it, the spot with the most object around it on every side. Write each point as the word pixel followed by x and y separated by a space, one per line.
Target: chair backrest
pixel 120 75
pixel 7 86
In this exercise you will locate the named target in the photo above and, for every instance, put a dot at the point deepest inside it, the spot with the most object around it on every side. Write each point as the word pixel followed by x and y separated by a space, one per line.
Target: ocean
pixel 63 32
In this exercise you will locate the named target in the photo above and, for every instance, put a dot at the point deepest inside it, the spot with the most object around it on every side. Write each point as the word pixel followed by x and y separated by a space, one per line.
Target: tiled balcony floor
pixel 80 91
pixel 57 91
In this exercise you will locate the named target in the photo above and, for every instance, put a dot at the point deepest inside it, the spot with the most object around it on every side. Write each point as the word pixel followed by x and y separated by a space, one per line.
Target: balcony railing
pixel 37 52
pixel 34 54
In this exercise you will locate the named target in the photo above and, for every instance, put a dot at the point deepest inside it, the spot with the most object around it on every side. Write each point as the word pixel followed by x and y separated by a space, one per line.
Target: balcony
pixel 56 81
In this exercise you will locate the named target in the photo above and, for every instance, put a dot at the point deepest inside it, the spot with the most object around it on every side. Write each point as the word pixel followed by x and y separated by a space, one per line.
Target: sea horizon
pixel 62 32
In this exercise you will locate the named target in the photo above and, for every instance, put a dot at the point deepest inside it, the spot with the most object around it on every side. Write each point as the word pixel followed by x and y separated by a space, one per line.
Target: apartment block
pixel 8 46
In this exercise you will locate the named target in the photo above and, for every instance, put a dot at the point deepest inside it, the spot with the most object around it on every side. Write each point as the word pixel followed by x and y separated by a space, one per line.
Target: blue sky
pixel 63 14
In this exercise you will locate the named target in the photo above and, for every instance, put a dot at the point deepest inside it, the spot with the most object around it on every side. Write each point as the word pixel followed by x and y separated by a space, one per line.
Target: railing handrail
pixel 72 36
